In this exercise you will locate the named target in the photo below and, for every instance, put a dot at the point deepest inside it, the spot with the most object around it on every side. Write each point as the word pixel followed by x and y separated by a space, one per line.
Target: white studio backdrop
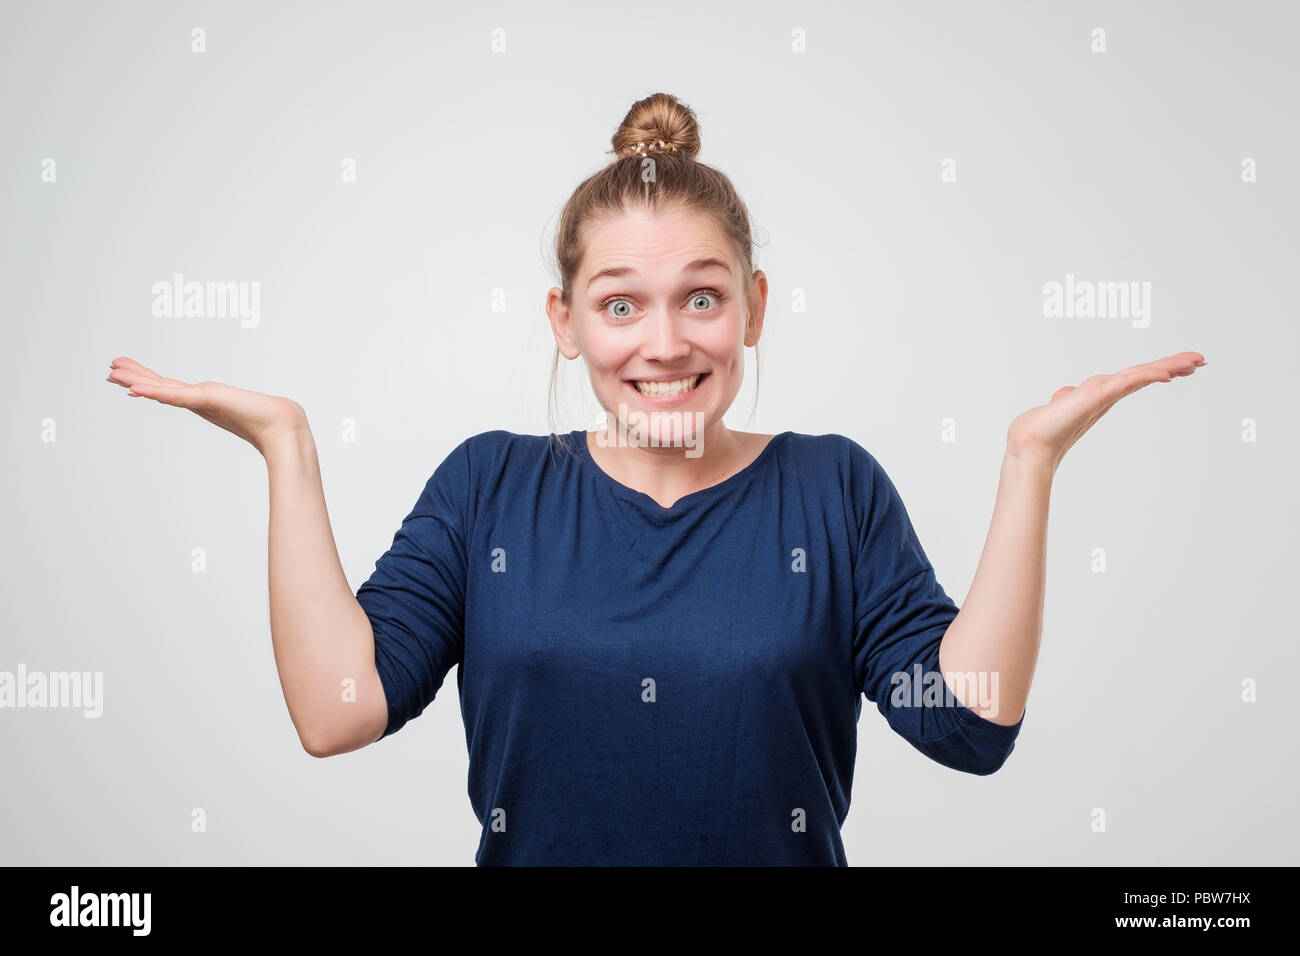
pixel 389 176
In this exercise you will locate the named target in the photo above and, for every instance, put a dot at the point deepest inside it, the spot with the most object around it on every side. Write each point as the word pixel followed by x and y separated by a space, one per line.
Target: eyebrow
pixel 695 265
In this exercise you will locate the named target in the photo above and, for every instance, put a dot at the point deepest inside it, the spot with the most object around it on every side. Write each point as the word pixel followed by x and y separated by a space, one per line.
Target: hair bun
pixel 660 123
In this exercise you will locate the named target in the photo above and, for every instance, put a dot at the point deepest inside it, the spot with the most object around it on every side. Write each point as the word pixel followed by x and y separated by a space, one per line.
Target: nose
pixel 664 341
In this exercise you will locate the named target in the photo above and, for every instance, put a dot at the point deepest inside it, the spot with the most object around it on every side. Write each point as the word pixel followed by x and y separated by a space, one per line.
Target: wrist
pixel 1030 461
pixel 293 442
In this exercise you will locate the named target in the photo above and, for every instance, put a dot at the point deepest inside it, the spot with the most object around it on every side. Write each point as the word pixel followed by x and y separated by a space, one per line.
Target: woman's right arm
pixel 321 637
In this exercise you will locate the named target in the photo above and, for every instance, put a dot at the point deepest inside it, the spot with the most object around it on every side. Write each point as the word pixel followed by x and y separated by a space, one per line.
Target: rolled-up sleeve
pixel 900 616
pixel 415 598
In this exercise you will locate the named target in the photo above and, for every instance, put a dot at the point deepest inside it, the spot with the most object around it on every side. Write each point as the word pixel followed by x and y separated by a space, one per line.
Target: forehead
pixel 662 240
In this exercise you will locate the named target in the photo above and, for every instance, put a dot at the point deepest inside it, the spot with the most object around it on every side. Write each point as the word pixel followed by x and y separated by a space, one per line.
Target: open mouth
pixel 673 389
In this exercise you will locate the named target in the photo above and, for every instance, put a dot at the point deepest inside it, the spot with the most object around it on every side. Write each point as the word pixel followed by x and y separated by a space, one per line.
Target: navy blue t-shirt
pixel 643 685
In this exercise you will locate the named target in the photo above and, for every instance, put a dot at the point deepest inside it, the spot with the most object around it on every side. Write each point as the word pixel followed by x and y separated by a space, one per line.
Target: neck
pixel 667 472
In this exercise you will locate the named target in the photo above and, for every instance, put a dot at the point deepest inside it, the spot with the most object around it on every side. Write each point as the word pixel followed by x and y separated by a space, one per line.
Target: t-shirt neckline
pixel 579 436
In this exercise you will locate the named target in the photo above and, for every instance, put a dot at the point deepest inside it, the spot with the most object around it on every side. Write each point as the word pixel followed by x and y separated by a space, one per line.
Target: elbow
pixel 320 742
pixel 969 750
pixel 344 740
pixel 356 725
pixel 980 764
pixel 983 747
pixel 317 746
pixel 964 755
pixel 990 764
pixel 986 757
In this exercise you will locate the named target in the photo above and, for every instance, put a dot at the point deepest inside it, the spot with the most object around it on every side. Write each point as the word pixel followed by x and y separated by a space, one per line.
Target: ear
pixel 561 324
pixel 757 309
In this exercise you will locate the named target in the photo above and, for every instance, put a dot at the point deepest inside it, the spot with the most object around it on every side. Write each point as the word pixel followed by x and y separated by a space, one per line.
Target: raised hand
pixel 1047 432
pixel 257 418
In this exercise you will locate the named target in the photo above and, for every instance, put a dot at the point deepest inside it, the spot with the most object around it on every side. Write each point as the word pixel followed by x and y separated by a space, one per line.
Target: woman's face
pixel 658 313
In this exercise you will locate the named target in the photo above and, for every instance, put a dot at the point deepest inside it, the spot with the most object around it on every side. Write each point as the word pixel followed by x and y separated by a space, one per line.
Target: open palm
pixel 1046 432
pixel 257 418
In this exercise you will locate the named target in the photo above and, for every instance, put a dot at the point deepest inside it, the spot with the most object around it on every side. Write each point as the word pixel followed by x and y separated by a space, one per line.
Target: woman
pixel 664 629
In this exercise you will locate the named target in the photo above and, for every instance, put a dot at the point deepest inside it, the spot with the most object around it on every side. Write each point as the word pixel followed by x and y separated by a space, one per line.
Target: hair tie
pixel 656 146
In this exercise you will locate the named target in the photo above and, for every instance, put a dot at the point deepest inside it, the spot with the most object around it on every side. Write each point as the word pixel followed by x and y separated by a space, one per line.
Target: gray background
pixel 924 303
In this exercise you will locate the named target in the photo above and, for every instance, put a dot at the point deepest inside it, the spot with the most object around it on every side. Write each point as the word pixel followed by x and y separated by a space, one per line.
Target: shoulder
pixel 499 444
pixel 837 468
pixel 498 455
pixel 494 444
pixel 830 454
pixel 482 468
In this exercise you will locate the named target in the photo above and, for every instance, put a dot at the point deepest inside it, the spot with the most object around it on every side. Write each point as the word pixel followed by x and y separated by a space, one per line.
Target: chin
pixel 659 427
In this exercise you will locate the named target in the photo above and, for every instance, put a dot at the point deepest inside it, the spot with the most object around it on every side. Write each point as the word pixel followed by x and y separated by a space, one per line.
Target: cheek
pixel 603 356
pixel 720 348
pixel 605 364
pixel 726 353
pixel 725 342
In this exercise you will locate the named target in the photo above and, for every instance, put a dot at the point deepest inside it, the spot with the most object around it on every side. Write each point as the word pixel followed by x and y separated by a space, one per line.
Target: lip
pixel 663 401
pixel 665 378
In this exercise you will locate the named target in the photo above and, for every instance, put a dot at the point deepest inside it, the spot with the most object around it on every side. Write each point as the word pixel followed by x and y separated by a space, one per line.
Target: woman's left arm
pixel 993 641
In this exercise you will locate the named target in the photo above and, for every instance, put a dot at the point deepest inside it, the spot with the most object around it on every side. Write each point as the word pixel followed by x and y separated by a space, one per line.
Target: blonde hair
pixel 664 129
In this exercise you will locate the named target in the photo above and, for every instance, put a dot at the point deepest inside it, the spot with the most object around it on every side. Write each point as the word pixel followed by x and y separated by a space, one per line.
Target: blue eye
pixel 622 302
pixel 696 296
pixel 704 294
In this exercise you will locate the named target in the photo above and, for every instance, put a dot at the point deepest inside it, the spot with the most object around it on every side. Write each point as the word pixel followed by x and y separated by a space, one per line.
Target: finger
pixel 1126 383
pixel 1184 363
pixel 182 396
pixel 1186 369
pixel 131 365
pixel 1179 360
pixel 123 366
pixel 128 377
pixel 1185 359
pixel 1103 391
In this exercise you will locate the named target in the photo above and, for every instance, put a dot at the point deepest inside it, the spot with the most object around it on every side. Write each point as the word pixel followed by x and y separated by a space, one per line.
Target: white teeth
pixel 668 388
